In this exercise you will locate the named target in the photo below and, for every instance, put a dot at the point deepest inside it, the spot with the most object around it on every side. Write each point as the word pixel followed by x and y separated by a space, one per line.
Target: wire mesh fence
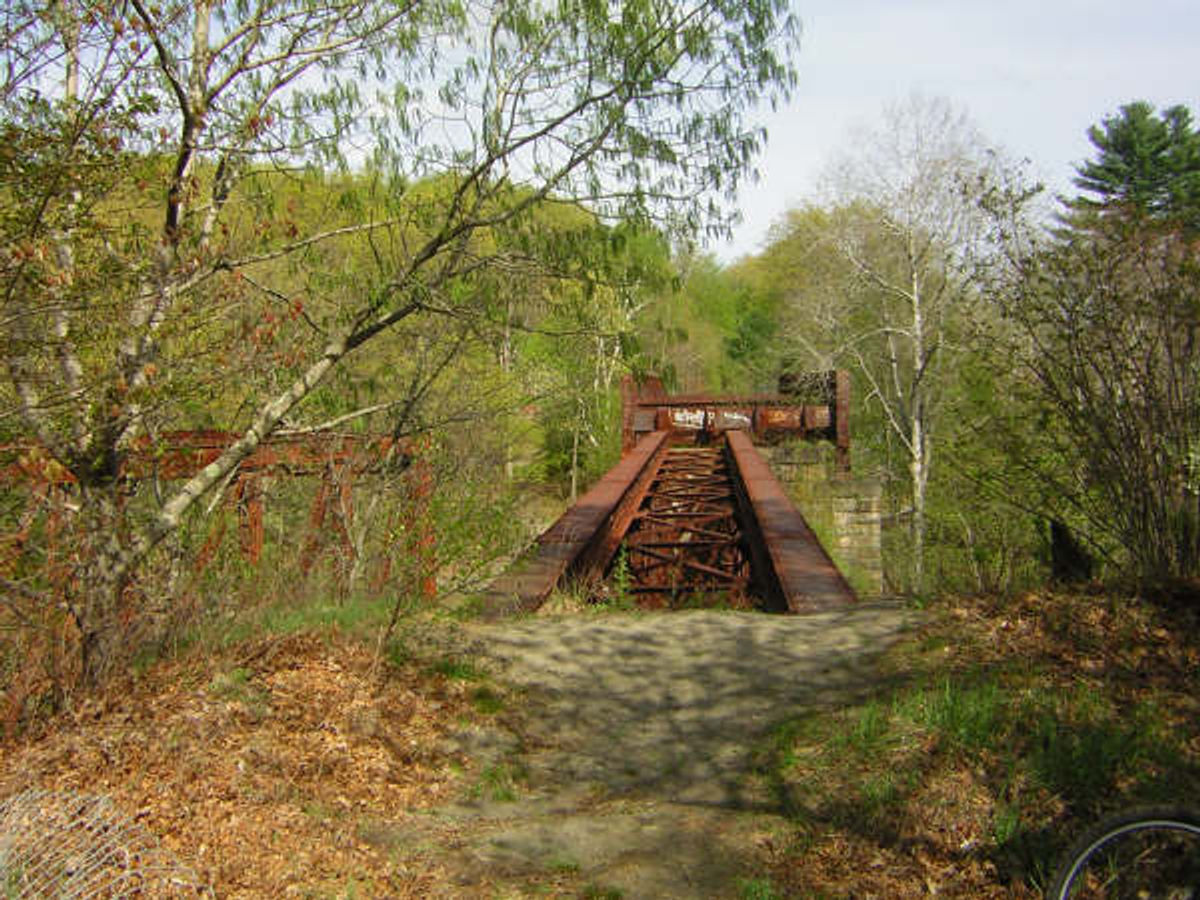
pixel 64 844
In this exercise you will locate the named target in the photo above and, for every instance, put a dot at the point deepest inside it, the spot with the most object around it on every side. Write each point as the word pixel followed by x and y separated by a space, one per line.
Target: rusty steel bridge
pixel 692 514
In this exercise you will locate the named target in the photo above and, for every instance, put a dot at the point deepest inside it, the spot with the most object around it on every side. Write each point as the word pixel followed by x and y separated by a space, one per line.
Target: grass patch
pixel 231 685
pixel 964 713
pixel 355 616
pixel 466 610
pixel 236 687
pixel 457 669
pixel 498 783
pixel 600 892
pixel 562 865
pixel 998 735
pixel 487 701
pixel 757 889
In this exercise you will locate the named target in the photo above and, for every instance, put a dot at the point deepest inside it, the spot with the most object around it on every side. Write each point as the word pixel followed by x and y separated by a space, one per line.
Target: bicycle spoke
pixel 1149 859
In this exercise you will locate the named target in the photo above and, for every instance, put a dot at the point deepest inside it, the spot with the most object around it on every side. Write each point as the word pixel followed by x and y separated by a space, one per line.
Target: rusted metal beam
pixel 686 539
pixel 790 564
pixel 181 454
pixel 812 405
pixel 336 458
pixel 585 537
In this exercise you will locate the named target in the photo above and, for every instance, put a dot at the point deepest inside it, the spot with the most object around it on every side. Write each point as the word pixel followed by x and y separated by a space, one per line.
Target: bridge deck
pixel 583 540
pixel 790 571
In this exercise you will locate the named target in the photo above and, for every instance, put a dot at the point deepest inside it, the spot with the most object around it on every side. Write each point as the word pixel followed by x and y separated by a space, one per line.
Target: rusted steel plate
pixel 784 418
pixel 686 539
pixel 718 400
pixel 643 420
pixel 687 419
pixel 813 405
pixel 816 418
pixel 801 573
pixel 583 538
pixel 733 419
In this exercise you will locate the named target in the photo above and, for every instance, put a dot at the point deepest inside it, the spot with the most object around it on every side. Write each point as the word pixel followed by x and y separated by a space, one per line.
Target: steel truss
pixel 685 544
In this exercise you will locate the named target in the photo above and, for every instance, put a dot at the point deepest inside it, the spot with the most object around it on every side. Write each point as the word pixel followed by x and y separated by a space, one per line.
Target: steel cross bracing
pixel 685 539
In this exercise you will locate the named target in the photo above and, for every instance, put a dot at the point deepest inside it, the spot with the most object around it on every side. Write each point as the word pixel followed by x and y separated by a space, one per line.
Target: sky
pixel 1032 74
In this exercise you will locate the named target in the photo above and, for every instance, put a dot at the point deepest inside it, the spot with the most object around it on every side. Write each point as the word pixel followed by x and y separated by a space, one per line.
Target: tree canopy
pixel 181 231
pixel 1144 163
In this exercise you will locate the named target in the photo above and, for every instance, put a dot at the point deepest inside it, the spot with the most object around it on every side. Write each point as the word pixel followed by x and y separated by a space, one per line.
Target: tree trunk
pixel 575 457
pixel 920 478
pixel 918 434
pixel 98 580
pixel 506 361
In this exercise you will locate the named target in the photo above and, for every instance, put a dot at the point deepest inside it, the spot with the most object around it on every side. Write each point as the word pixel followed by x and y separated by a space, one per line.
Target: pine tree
pixel 1146 165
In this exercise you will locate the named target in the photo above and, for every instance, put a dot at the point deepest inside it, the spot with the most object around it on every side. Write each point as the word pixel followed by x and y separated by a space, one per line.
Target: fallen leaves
pixel 264 771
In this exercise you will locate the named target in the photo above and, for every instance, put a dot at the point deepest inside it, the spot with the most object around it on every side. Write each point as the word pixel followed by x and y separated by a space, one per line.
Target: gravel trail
pixel 635 735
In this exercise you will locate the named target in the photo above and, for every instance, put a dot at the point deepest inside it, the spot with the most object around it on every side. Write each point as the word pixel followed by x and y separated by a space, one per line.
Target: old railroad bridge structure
pixel 692 514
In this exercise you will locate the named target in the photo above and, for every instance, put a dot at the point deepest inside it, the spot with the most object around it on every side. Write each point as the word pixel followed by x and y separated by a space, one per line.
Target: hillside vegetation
pixel 458 227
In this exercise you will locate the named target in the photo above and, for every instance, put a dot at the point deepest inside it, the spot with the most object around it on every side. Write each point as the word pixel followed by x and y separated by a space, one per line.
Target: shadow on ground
pixel 636 738
pixel 673 703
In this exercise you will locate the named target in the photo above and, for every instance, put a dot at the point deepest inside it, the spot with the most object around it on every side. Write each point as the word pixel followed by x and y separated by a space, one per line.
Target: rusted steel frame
pixel 796 572
pixel 693 487
pixel 337 481
pixel 703 506
pixel 700 493
pixel 702 486
pixel 584 539
pixel 710 543
pixel 707 476
pixel 682 501
pixel 248 497
pixel 841 419
pixel 822 410
pixel 208 549
pixel 181 454
pixel 700 505
pixel 712 402
pixel 672 496
pixel 683 561
pixel 419 529
pixel 658 518
pixel 316 523
pixel 674 590
pixel 633 392
pixel 412 536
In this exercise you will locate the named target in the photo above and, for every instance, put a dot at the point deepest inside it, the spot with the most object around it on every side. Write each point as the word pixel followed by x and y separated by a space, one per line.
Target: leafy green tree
pixel 1145 164
pixel 710 328
pixel 148 146
pixel 1097 350
pixel 908 225
pixel 1101 354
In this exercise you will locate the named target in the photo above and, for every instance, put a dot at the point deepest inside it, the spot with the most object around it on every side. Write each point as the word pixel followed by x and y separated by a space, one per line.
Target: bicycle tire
pixel 1147 831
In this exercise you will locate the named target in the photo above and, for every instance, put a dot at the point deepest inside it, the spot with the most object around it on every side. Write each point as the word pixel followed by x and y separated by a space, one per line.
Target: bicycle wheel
pixel 1150 853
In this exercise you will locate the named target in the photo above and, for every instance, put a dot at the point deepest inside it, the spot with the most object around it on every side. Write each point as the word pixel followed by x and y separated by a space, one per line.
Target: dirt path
pixel 634 744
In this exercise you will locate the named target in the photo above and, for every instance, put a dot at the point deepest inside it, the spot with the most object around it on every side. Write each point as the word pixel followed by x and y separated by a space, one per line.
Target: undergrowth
pixel 1001 730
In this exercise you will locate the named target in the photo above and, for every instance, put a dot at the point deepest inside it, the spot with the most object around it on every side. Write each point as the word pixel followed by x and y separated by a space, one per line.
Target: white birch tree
pixel 910 226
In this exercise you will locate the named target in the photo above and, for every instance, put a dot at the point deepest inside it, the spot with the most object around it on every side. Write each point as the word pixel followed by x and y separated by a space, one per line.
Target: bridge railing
pixel 813 405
